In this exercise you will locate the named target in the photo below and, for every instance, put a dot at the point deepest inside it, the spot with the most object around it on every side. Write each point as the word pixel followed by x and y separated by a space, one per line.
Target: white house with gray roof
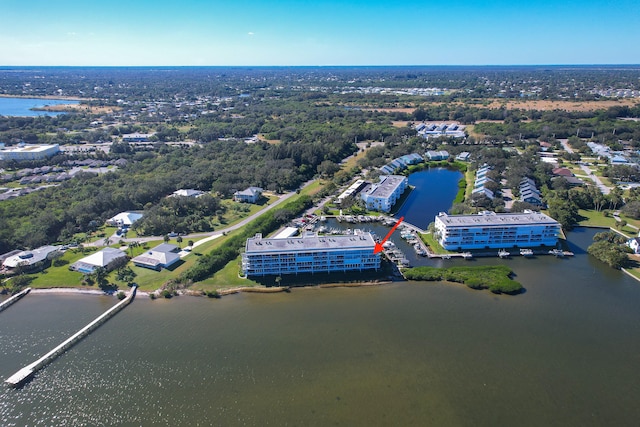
pixel 250 195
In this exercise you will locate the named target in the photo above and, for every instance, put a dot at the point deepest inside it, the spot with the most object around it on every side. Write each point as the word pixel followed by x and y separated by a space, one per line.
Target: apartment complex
pixel 492 230
pixel 309 254
pixel 29 152
pixel 383 195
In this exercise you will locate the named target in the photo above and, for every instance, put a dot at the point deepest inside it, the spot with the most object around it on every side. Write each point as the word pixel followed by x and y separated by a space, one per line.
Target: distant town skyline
pixel 323 32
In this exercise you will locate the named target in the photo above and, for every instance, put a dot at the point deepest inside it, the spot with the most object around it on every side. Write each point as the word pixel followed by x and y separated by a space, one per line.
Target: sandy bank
pixel 78 291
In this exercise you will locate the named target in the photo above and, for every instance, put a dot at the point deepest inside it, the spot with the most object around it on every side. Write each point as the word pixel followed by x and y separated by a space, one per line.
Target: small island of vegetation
pixel 496 278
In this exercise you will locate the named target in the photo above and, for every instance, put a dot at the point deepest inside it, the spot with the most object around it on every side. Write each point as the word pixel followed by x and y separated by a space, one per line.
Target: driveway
pixel 587 170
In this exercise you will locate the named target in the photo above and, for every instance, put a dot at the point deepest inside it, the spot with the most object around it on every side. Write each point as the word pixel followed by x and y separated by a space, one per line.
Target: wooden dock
pixel 9 301
pixel 28 371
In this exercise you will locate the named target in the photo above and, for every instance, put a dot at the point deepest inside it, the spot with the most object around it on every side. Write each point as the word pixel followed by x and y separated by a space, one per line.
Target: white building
pixel 383 195
pixel 29 152
pixel 124 219
pixel 28 259
pixel 162 256
pixel 491 230
pixel 104 258
pixel 437 155
pixel 188 192
pixel 309 254
pixel 250 195
pixel 351 191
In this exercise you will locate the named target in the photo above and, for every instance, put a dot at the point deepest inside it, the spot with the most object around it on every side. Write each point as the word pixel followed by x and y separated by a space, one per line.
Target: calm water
pixel 564 353
pixel 23 106
pixel 434 190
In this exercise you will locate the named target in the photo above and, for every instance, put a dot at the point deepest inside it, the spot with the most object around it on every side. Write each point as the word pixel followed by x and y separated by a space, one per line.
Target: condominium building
pixel 383 195
pixel 29 152
pixel 309 254
pixel 492 230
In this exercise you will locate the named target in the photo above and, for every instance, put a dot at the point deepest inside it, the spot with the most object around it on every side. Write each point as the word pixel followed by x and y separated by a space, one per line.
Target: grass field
pixel 597 219
pixel 435 247
pixel 150 280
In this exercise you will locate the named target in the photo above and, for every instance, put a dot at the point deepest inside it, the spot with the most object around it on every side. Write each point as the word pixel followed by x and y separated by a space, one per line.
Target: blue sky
pixel 321 32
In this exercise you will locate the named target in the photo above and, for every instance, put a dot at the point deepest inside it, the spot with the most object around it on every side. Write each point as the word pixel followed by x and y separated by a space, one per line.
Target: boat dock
pixel 28 371
pixel 9 301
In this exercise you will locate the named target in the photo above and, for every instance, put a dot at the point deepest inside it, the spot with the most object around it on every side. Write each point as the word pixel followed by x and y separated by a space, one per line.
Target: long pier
pixel 6 303
pixel 28 371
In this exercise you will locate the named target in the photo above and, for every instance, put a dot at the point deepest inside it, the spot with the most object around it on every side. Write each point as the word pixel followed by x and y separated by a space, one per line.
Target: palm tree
pixel 179 241
pixel 166 238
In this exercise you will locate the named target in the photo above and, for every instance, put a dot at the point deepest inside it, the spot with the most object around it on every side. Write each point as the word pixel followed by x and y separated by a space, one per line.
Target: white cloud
pixel 251 33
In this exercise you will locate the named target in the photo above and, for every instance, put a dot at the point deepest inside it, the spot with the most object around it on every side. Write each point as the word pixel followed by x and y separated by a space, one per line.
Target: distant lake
pixel 434 192
pixel 22 107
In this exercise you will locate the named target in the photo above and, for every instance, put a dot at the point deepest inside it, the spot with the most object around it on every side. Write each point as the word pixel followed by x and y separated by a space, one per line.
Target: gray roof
pixel 251 191
pixel 166 247
pixel 310 243
pixel 388 184
pixel 497 219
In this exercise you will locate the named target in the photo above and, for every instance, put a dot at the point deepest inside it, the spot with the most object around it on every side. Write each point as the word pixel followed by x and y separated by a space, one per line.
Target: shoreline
pixel 50 97
pixel 79 291
pixel 221 292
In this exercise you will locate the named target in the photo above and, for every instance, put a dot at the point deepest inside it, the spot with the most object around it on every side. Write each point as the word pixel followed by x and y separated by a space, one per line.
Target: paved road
pixel 587 170
pixel 207 236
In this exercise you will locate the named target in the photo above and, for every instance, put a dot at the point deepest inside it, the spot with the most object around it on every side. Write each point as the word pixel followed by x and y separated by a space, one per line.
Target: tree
pixel 100 276
pixel 166 238
pixel 179 241
pixel 126 274
pixel 190 243
pixel 615 197
pixel 610 253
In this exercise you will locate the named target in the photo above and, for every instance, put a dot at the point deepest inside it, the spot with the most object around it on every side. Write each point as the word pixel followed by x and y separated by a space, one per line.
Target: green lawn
pixel 61 277
pixel 597 219
pixel 430 241
pixel 150 280
pixel 225 278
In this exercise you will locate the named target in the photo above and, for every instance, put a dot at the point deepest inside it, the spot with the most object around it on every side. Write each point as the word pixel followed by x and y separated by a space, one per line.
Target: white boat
pixel 467 255
pixel 526 252
pixel 557 252
pixel 503 253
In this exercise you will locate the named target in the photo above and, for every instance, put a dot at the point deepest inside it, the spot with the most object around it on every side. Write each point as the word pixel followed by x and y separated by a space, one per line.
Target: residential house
pixel 124 219
pixel 250 195
pixel 105 258
pixel 162 256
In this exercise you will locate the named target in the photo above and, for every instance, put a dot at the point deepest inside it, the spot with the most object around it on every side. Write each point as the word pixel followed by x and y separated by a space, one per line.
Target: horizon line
pixel 333 65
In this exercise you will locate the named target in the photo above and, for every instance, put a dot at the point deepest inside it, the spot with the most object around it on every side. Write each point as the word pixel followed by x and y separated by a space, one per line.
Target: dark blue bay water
pixel 434 192
pixel 22 107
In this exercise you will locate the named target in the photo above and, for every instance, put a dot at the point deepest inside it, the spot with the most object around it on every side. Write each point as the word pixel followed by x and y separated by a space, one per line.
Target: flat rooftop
pixel 493 219
pixel 387 186
pixel 28 148
pixel 310 243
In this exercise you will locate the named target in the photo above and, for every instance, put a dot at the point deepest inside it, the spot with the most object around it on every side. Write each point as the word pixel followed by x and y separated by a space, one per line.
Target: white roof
pixel 103 258
pixel 154 258
pixel 126 218
pixel 29 257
